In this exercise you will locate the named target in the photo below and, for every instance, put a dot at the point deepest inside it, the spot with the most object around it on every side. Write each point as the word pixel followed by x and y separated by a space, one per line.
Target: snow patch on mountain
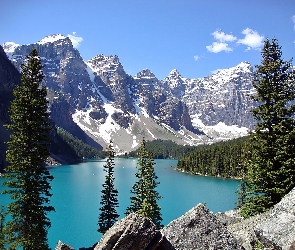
pixel 90 71
pixel 134 142
pixel 9 48
pixel 227 75
pixel 221 130
pixel 83 119
pixel 140 110
pixel 51 39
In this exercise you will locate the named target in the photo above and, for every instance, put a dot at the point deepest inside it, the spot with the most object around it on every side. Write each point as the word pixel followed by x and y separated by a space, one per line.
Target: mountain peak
pixel 9 47
pixel 52 38
pixel 145 73
pixel 174 73
pixel 245 66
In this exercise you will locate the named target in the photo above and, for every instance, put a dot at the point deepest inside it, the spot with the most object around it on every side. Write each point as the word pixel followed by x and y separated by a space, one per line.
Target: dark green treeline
pixel 165 149
pixel 224 159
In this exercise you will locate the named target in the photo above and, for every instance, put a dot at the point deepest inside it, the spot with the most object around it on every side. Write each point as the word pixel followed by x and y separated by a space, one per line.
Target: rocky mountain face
pixel 9 78
pixel 98 101
pixel 222 97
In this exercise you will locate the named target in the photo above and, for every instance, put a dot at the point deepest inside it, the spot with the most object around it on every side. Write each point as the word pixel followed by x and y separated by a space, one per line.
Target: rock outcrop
pixel 63 246
pixel 274 229
pixel 132 233
pixel 199 229
pixel 278 230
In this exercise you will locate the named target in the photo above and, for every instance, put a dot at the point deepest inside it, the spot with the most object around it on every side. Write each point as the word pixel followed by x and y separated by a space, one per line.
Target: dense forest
pixel 81 149
pixel 165 149
pixel 225 159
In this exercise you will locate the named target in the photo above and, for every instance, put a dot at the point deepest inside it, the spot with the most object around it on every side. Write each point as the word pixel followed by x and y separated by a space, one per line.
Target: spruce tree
pixel 271 170
pixel 2 220
pixel 27 178
pixel 145 199
pixel 109 201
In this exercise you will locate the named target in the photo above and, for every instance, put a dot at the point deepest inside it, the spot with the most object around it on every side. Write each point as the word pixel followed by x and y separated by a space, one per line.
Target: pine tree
pixel 28 179
pixel 150 207
pixel 242 169
pixel 109 201
pixel 2 221
pixel 271 172
pixel 145 196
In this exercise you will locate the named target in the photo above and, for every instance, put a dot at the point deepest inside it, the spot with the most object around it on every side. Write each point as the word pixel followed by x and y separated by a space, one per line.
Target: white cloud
pixel 222 37
pixel 293 20
pixel 76 40
pixel 221 44
pixel 252 39
pixel 196 58
pixel 217 47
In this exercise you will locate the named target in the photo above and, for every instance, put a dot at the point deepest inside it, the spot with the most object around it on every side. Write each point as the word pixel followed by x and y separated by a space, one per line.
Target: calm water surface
pixel 76 196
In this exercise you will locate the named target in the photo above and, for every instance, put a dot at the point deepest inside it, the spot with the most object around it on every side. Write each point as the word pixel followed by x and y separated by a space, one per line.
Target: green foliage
pixel 271 172
pixel 79 148
pixel 224 159
pixel 27 178
pixel 145 196
pixel 242 194
pixel 109 201
pixel 165 149
pixel 2 221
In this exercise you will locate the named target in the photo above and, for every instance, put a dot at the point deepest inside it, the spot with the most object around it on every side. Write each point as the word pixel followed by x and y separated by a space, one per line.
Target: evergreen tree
pixel 27 178
pixel 242 193
pixel 145 196
pixel 109 201
pixel 150 207
pixel 245 156
pixel 271 172
pixel 2 220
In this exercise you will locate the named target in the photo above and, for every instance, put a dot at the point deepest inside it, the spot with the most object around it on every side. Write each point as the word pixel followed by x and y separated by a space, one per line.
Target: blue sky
pixel 196 37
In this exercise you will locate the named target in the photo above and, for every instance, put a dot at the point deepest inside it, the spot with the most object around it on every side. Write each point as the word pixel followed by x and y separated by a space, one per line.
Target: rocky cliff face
pixel 60 108
pixel 222 97
pixel 9 78
pixel 107 103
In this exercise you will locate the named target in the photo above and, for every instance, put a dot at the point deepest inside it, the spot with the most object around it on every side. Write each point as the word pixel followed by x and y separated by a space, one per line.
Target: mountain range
pixel 97 101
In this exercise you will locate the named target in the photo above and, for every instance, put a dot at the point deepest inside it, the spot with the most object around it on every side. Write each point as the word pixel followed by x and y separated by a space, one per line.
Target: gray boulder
pixel 278 231
pixel 132 233
pixel 274 229
pixel 63 246
pixel 199 229
pixel 243 231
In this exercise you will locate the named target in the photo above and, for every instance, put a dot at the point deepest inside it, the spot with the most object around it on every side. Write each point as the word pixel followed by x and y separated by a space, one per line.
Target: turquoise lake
pixel 76 196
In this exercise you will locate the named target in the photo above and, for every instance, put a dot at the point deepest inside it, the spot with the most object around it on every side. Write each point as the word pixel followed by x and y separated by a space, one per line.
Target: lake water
pixel 76 196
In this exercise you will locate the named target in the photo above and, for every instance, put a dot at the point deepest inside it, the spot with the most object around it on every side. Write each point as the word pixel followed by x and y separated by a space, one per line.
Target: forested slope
pixel 165 149
pixel 225 159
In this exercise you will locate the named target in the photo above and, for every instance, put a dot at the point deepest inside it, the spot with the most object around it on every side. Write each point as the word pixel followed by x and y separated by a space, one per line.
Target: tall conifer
pixel 109 201
pixel 271 172
pixel 2 220
pixel 145 199
pixel 28 179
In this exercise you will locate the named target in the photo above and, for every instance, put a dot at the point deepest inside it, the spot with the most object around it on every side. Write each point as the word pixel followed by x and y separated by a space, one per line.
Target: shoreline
pixel 216 176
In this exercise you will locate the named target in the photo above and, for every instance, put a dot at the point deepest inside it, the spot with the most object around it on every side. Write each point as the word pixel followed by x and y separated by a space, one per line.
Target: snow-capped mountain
pixel 98 101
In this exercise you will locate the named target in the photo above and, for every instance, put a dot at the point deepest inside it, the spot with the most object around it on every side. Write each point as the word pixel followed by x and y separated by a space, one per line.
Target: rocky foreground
pixel 200 229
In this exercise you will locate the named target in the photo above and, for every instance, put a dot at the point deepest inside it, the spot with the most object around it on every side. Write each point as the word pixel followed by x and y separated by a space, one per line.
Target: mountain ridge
pixel 106 103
